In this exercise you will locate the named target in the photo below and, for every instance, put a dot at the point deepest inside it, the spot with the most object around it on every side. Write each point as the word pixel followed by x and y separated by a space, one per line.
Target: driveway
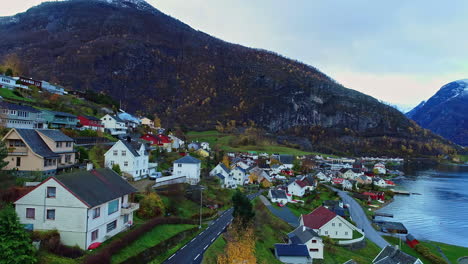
pixel 360 218
pixel 283 213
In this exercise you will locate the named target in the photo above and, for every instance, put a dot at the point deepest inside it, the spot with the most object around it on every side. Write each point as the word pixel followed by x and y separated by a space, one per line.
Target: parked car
pixel 155 175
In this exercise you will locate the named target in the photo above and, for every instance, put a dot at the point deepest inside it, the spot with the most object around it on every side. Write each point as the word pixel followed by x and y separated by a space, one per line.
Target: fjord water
pixel 440 213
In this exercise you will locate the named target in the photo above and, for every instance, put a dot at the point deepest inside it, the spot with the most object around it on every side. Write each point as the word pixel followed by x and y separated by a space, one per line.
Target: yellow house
pixel 43 150
pixel 202 153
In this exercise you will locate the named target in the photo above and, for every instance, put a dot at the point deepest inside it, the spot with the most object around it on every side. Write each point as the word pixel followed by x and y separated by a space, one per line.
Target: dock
pixel 384 214
pixel 401 192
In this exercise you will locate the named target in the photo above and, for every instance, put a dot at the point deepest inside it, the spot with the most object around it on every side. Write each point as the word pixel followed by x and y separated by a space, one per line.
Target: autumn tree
pixel 157 121
pixel 151 206
pixel 226 161
pixel 240 247
pixel 265 184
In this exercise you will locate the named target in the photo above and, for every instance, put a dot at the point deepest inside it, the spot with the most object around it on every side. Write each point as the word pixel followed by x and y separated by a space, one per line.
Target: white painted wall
pixel 136 166
pixel 295 189
pixel 337 228
pixel 190 170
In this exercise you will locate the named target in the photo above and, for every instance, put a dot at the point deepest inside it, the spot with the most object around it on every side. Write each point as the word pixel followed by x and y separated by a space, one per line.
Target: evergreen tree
pixel 9 72
pixel 3 155
pixel 242 208
pixel 15 243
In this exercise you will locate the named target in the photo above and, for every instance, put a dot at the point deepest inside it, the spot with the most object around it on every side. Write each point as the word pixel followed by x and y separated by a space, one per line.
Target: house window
pixel 333 224
pixel 179 165
pixel 125 163
pixel 96 212
pixel 124 153
pixel 95 235
pixel 125 219
pixel 346 233
pixel 336 233
pixel 111 226
pixel 51 192
pixel 111 162
pixel 339 224
pixel 30 213
pixel 326 232
pixel 50 214
pixel 314 241
pixel 314 250
pixel 112 207
pixel 18 161
pixel 67 158
pixel 58 144
pixel 116 152
pixel 68 144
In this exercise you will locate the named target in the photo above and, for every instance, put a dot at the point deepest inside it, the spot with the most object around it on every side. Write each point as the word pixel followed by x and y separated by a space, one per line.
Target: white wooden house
pixel 114 125
pixel 189 167
pixel 327 223
pixel 131 156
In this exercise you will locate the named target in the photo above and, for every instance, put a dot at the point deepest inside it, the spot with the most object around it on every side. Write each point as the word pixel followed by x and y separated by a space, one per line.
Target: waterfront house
pixel 306 236
pixel 7 82
pixel 84 207
pixel 347 184
pixel 292 253
pixel 327 223
pixel 20 116
pixel 131 156
pixel 224 174
pixel 392 255
pixel 188 167
pixel 193 146
pixel 278 196
pixel 38 150
pixel 298 187
pixel 55 119
pixel 379 182
pixel 364 180
pixel 411 241
pixel 379 168
pixel 114 125
pixel 90 122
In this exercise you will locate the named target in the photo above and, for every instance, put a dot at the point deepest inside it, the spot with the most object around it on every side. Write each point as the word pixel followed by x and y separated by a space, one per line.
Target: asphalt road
pixel 192 252
pixel 283 213
pixel 359 217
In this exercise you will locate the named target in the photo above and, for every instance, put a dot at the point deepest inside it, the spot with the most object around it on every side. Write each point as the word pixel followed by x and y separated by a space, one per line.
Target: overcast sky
pixel 398 51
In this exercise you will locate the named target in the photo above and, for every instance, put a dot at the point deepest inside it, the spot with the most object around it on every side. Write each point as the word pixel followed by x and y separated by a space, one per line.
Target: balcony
pixel 129 208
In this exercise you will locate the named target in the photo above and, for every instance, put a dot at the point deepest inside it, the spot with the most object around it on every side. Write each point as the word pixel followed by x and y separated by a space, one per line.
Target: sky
pixel 400 52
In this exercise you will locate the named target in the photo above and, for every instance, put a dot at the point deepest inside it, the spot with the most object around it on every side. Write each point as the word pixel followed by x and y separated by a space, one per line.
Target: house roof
pixel 317 218
pixel 57 113
pixel 97 186
pixel 55 135
pixel 35 142
pixel 132 146
pixel 291 250
pixel 91 118
pixel 10 106
pixel 226 169
pixel 301 184
pixel 286 159
pixel 219 175
pixel 188 159
pixel 410 237
pixel 278 194
pixel 301 236
pixel 391 255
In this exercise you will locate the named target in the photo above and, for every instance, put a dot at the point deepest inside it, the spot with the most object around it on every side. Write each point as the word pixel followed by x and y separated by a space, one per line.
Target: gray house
pixel 20 116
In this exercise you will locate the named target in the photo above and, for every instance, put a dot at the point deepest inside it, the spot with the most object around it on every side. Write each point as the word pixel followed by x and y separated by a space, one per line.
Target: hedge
pixel 426 252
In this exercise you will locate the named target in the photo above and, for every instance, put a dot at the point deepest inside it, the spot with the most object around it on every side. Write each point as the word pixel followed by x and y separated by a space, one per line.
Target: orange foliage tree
pixel 240 247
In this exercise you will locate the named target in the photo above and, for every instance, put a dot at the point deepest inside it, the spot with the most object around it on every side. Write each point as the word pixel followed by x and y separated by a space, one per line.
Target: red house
pixel 28 81
pixel 159 140
pixel 390 183
pixel 411 241
pixel 90 122
pixel 375 195
pixel 337 180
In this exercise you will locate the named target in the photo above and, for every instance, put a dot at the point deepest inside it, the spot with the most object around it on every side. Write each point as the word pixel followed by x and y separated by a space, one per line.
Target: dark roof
pixel 286 159
pixel 226 169
pixel 55 135
pixel 117 118
pixel 317 218
pixel 10 106
pixel 35 142
pixel 410 237
pixel 301 236
pixel 97 186
pixel 188 159
pixel 278 194
pixel 219 175
pixel 133 146
pixel 391 255
pixel 92 118
pixel 61 113
pixel 291 250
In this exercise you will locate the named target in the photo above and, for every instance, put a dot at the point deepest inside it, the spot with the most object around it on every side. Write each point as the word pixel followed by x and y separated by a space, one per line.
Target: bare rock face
pixel 156 64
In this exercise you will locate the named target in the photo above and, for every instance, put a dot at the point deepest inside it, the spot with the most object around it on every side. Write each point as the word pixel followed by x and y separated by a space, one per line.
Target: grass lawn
pixel 310 202
pixel 49 258
pixel 337 254
pixel 451 251
pixel 211 255
pixel 150 239
pixel 8 94
pixel 185 207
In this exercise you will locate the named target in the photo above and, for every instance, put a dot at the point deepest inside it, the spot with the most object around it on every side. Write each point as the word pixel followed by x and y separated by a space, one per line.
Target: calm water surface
pixel 440 213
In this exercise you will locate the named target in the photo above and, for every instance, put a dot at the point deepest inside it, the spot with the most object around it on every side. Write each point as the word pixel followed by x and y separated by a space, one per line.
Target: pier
pixel 400 192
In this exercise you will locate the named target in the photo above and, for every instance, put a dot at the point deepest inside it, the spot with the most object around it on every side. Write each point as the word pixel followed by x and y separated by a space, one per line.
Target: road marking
pixel 213 239
pixel 196 257
pixel 219 233
pixel 201 233
pixel 172 256
pixel 205 247
pixel 183 247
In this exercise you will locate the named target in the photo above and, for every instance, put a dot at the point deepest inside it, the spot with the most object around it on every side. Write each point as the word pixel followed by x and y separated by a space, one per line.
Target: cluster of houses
pixel 24 83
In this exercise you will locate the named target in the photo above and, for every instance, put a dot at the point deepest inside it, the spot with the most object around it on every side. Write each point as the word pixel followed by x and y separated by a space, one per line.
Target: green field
pixel 221 141
pixel 8 94
pixel 150 239
pixel 451 251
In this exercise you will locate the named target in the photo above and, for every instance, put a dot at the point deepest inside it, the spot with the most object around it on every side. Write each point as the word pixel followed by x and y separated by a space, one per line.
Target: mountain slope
pixel 446 113
pixel 153 63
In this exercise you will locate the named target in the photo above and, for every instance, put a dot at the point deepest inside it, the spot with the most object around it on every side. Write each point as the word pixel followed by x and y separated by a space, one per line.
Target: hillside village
pixel 88 184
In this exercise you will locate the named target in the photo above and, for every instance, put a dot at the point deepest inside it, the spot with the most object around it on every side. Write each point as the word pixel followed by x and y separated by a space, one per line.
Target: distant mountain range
pixel 153 63
pixel 446 113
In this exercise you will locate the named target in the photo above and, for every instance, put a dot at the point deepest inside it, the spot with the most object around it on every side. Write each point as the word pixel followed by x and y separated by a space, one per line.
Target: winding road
pixel 360 218
pixel 192 252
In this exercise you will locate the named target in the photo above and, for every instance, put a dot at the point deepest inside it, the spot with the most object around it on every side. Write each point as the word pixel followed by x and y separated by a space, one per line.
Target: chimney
pixel 89 166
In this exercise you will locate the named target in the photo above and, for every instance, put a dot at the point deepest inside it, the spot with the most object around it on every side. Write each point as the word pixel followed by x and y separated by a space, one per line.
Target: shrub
pixel 426 252
pixel 50 241
pixel 151 206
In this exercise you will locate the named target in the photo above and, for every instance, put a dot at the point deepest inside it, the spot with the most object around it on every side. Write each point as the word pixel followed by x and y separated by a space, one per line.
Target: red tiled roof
pixel 301 184
pixel 317 218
